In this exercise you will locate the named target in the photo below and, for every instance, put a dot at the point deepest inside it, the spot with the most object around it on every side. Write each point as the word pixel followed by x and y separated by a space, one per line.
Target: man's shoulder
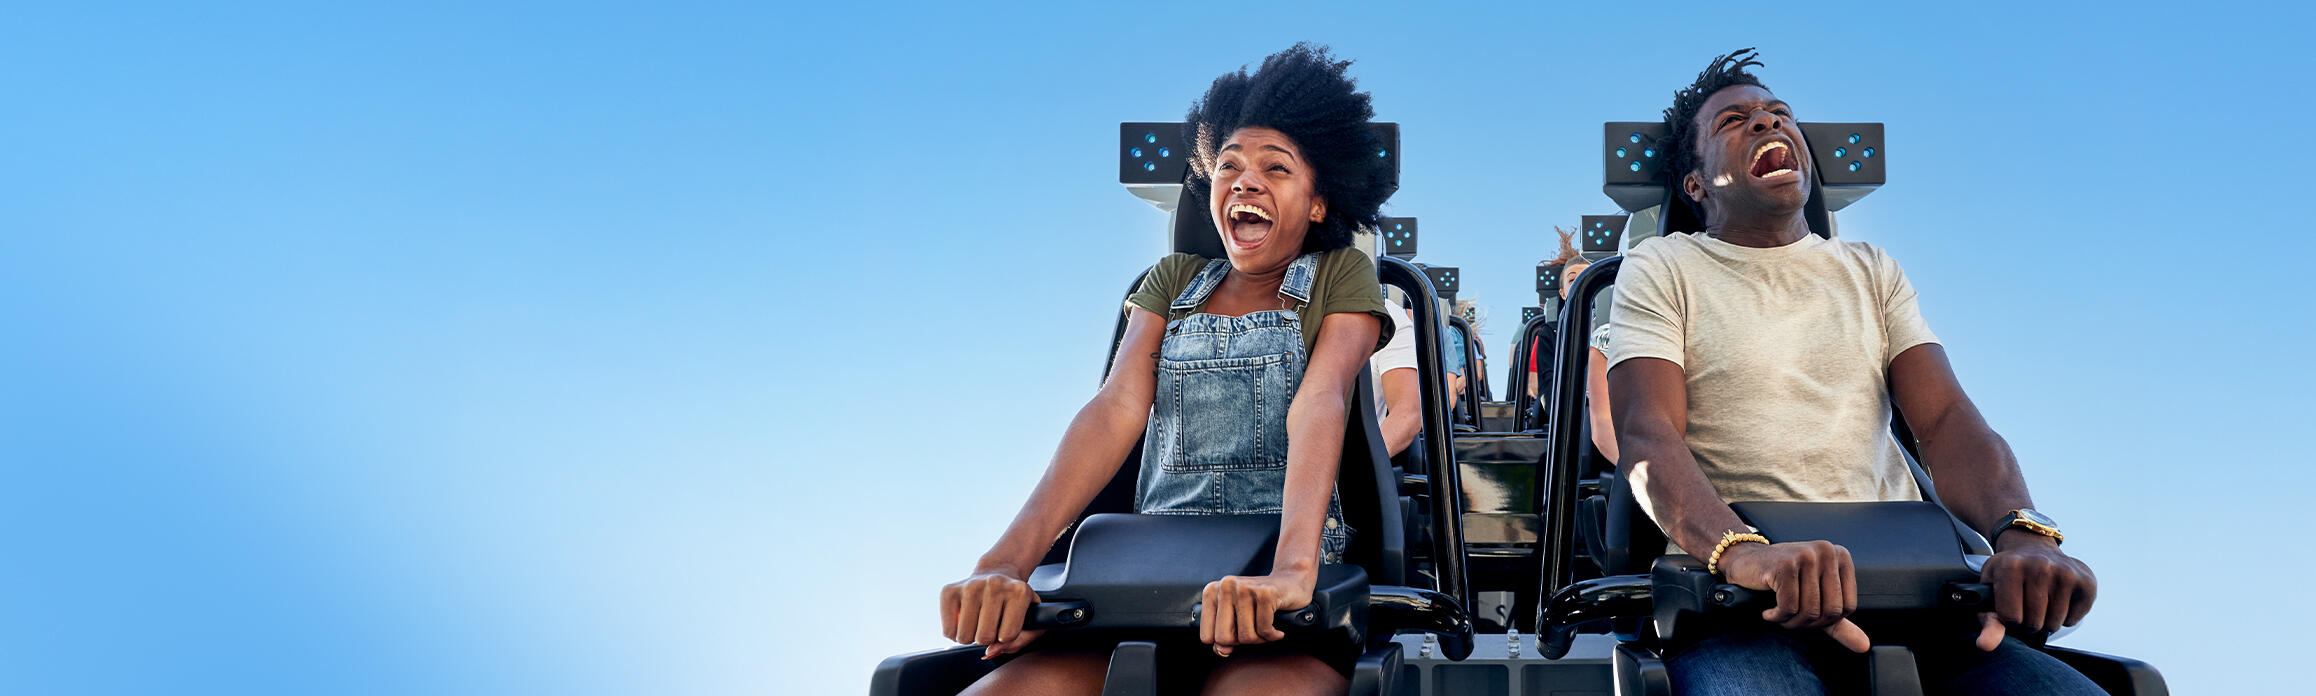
pixel 1663 253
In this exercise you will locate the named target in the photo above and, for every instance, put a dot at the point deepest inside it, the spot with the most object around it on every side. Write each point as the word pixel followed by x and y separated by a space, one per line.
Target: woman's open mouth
pixel 1248 224
pixel 1774 160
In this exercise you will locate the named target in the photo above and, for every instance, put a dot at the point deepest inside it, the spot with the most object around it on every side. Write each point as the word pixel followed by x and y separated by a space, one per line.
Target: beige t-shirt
pixel 1787 353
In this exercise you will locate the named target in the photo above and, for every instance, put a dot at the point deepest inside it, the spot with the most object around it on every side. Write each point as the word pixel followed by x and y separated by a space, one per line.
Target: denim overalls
pixel 1217 441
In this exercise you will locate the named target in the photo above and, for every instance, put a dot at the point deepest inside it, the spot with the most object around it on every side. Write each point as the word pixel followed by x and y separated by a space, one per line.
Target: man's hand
pixel 2037 587
pixel 1240 610
pixel 1816 585
pixel 988 608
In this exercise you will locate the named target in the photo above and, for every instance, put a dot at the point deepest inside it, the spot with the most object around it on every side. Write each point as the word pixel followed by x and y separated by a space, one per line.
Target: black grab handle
pixel 1305 617
pixel 1974 596
pixel 1063 613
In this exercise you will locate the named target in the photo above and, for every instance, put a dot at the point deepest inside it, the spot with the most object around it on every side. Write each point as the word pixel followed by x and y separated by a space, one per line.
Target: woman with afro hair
pixel 1284 161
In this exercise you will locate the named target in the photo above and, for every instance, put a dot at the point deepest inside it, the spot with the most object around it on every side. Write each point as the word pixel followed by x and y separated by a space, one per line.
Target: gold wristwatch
pixel 2028 519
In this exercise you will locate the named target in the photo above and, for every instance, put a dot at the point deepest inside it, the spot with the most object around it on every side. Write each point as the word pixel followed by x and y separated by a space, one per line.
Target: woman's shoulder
pixel 1345 259
pixel 1176 270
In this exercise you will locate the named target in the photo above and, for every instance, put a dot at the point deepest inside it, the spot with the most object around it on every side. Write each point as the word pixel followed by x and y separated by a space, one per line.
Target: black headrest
pixel 1600 234
pixel 1849 159
pixel 1194 231
pixel 1152 163
pixel 1677 217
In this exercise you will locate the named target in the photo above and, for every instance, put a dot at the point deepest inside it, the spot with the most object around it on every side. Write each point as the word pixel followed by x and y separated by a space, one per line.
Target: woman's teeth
pixel 1239 208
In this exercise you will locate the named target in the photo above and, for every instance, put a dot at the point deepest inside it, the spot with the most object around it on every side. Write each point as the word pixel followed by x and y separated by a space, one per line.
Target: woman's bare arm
pixel 1096 443
pixel 1315 435
pixel 1596 392
pixel 1402 395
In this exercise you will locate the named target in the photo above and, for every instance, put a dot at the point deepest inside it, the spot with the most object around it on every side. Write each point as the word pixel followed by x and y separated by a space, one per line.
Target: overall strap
pixel 1201 286
pixel 1297 286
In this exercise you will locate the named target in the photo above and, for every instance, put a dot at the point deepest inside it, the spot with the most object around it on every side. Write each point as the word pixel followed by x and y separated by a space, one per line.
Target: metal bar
pixel 1447 524
pixel 1558 545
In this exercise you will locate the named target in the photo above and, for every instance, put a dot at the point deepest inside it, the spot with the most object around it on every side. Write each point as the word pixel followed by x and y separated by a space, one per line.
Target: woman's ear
pixel 1318 210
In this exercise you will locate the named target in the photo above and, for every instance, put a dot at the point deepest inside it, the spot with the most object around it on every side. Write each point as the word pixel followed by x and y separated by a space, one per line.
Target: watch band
pixel 2016 519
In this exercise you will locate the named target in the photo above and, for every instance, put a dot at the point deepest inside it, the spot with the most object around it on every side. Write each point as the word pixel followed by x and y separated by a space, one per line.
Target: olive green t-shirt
pixel 1345 282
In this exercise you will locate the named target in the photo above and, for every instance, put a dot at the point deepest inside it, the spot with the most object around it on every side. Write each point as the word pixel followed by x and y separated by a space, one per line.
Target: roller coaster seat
pixel 1104 576
pixel 1915 564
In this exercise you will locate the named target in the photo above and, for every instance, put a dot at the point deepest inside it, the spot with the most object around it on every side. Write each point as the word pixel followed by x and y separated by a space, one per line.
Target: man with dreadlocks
pixel 1757 361
pixel 1283 160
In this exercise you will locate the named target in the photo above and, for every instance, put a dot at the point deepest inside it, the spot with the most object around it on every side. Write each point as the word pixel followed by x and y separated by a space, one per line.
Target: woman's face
pixel 1264 199
pixel 1568 277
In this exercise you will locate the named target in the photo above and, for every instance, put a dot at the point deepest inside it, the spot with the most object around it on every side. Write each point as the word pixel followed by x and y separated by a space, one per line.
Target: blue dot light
pixel 1853 138
pixel 1841 152
pixel 1651 152
pixel 1382 153
pixel 1136 152
pixel 1854 165
pixel 1635 166
pixel 1151 138
pixel 1869 152
pixel 1149 166
pixel 1163 152
pixel 1620 152
pixel 1635 138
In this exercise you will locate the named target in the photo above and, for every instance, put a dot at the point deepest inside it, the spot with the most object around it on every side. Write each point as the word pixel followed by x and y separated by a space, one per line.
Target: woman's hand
pixel 988 608
pixel 1239 610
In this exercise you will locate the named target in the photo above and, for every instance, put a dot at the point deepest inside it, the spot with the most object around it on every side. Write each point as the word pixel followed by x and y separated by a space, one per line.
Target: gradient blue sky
pixel 615 349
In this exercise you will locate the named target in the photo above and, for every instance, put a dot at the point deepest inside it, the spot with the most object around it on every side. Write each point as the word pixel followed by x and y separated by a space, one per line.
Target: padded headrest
pixel 1675 216
pixel 1848 157
pixel 1194 231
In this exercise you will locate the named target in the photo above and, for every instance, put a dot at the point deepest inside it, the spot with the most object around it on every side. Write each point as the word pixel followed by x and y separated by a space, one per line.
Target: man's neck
pixel 1761 231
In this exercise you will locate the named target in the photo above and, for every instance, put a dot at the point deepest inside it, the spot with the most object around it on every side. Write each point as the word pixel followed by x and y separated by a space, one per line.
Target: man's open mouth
pixel 1249 224
pixel 1774 159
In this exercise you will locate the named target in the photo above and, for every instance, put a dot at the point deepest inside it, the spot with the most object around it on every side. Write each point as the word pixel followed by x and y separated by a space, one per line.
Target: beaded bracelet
pixel 1731 538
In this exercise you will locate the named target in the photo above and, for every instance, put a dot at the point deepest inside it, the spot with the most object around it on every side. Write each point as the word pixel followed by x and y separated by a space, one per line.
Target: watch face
pixel 2038 518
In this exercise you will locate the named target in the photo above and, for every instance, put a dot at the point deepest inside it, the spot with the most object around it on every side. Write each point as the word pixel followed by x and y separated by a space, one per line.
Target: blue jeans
pixel 1763 663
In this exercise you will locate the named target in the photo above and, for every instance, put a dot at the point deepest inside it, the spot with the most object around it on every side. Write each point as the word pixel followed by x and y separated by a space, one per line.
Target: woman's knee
pixel 1275 675
pixel 1048 673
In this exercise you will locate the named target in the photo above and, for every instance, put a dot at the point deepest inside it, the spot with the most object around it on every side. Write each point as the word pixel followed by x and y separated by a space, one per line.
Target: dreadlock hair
pixel 1680 143
pixel 1303 93
pixel 1568 250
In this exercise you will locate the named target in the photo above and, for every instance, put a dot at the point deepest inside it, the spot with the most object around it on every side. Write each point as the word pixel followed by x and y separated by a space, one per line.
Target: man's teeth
pixel 1244 208
pixel 1765 148
pixel 1778 172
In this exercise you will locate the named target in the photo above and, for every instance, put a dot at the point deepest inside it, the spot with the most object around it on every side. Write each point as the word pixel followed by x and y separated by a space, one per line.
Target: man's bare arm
pixel 1403 399
pixel 1975 472
pixel 1815 582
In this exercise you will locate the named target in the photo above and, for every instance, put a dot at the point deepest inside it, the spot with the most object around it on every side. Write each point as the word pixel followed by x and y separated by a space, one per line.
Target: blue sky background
pixel 614 349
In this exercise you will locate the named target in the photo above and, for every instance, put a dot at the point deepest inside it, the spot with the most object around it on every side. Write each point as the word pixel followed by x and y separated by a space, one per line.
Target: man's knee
pixel 1051 673
pixel 2015 668
pixel 1744 663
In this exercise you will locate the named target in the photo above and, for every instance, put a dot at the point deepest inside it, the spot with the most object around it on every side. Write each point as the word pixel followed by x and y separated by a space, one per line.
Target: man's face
pixel 1751 159
pixel 1264 199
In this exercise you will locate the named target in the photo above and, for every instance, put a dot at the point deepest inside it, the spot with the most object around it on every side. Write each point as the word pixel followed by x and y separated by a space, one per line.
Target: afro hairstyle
pixel 1302 93
pixel 1680 141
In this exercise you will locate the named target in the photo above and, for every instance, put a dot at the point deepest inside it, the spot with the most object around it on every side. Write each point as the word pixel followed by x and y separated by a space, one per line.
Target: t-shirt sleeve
pixel 1164 281
pixel 1902 323
pixel 1455 351
pixel 1349 284
pixel 1399 352
pixel 1647 319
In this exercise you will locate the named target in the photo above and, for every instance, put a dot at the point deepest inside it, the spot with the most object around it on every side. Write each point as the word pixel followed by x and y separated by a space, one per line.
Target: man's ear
pixel 1694 186
pixel 1318 209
